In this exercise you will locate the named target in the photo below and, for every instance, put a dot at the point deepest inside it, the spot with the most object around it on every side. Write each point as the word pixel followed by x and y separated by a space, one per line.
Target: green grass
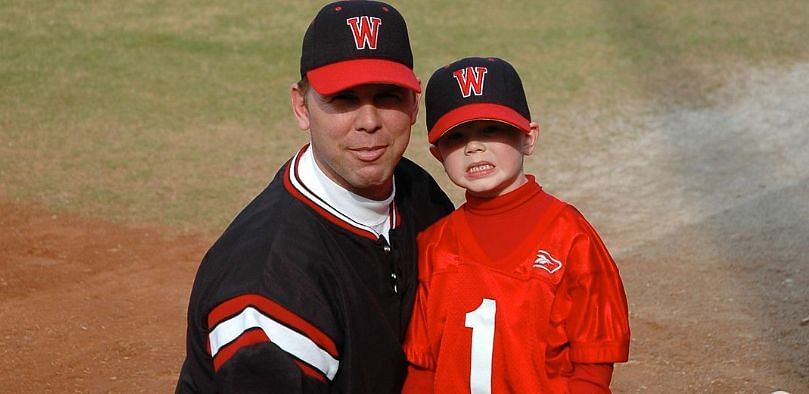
pixel 177 113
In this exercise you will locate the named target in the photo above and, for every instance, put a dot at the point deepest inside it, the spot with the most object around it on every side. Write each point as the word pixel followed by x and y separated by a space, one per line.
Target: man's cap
pixel 475 88
pixel 351 43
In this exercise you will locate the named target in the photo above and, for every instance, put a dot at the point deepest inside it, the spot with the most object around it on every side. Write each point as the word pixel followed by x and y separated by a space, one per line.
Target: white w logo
pixel 365 30
pixel 470 80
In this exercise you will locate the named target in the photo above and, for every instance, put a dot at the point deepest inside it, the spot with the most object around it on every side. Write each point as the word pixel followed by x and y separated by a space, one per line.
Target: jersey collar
pixel 339 206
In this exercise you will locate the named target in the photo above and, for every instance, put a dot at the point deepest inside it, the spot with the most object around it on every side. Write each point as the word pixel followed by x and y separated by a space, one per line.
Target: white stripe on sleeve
pixel 287 339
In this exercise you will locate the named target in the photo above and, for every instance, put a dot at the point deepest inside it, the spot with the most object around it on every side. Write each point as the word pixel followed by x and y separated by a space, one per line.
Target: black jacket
pixel 293 299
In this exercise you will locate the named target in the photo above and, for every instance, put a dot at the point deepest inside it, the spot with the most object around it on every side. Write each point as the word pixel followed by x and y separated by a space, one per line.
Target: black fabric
pixel 502 86
pixel 329 39
pixel 336 280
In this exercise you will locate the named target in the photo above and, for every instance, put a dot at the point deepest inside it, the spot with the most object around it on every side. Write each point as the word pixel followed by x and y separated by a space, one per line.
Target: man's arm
pixel 252 343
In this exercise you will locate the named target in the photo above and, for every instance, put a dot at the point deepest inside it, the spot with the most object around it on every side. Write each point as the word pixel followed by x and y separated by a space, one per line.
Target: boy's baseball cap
pixel 475 88
pixel 351 43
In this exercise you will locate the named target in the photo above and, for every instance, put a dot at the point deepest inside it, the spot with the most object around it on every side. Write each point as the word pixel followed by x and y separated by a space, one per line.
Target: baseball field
pixel 131 132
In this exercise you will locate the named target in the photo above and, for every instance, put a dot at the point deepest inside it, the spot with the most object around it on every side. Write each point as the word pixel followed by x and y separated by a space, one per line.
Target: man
pixel 311 287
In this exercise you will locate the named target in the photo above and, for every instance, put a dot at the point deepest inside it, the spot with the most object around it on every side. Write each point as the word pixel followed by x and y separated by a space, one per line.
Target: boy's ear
pixel 436 153
pixel 297 100
pixel 530 139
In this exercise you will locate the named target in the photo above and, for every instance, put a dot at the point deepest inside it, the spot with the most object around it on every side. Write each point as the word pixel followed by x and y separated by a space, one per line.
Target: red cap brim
pixel 477 111
pixel 332 78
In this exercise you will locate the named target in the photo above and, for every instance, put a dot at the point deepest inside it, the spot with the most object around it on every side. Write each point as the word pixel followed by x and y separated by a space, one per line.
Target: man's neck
pixel 373 213
pixel 374 192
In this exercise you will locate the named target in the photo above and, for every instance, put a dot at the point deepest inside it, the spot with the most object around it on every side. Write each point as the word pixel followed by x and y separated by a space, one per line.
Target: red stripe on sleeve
pixel 308 370
pixel 249 337
pixel 237 304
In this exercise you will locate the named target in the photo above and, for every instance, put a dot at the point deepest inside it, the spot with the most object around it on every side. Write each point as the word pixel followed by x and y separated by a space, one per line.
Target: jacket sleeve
pixel 256 342
pixel 250 343
pixel 259 326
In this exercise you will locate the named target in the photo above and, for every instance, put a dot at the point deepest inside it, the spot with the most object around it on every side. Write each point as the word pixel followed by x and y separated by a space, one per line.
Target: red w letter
pixel 365 30
pixel 470 80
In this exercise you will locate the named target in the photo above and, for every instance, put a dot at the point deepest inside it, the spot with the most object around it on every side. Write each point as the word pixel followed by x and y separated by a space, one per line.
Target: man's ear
pixel 530 139
pixel 414 113
pixel 297 98
pixel 436 153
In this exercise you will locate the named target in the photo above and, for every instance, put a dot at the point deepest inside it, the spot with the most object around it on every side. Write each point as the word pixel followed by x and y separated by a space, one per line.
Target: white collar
pixel 372 214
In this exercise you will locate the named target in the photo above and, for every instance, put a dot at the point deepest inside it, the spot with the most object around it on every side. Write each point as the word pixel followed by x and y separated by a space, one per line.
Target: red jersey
pixel 516 323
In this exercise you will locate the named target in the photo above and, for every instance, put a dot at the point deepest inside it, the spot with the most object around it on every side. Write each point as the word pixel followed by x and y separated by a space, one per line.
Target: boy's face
pixel 485 157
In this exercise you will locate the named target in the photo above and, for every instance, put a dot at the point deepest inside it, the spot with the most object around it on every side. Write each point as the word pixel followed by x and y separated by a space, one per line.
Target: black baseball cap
pixel 475 88
pixel 352 43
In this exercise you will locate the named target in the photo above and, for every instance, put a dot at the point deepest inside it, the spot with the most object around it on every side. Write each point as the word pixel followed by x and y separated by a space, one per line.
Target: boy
pixel 516 292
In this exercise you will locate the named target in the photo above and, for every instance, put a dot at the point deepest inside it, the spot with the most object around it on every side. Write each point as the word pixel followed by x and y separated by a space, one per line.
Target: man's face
pixel 359 134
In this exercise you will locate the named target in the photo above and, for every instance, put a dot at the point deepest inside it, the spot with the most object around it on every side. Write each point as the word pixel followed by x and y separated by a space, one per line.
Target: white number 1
pixel 481 321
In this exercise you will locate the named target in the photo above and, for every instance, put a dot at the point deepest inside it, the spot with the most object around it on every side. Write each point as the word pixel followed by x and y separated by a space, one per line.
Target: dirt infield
pixel 89 306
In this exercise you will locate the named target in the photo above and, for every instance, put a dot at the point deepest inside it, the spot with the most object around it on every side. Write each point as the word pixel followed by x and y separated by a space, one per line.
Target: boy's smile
pixel 485 157
pixel 480 169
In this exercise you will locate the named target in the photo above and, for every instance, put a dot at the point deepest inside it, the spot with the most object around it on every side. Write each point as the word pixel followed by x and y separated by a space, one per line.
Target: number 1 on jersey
pixel 481 321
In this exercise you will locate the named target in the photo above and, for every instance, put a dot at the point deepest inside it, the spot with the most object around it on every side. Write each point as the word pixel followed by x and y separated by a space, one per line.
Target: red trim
pixel 252 337
pixel 326 214
pixel 237 304
pixel 334 77
pixel 397 219
pixel 477 111
pixel 313 372
pixel 249 337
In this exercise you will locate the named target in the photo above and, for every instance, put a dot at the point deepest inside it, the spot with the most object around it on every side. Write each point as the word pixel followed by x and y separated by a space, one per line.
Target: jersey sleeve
pixel 417 340
pixel 591 378
pixel 589 316
pixel 419 380
pixel 417 344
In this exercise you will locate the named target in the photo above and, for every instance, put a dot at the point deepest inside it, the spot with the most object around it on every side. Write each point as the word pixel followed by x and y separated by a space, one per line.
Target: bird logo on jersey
pixel 470 80
pixel 545 261
pixel 365 30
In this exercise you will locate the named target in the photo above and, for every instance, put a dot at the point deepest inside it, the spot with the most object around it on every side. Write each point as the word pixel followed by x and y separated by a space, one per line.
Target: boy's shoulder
pixel 571 219
pixel 440 226
pixel 563 215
